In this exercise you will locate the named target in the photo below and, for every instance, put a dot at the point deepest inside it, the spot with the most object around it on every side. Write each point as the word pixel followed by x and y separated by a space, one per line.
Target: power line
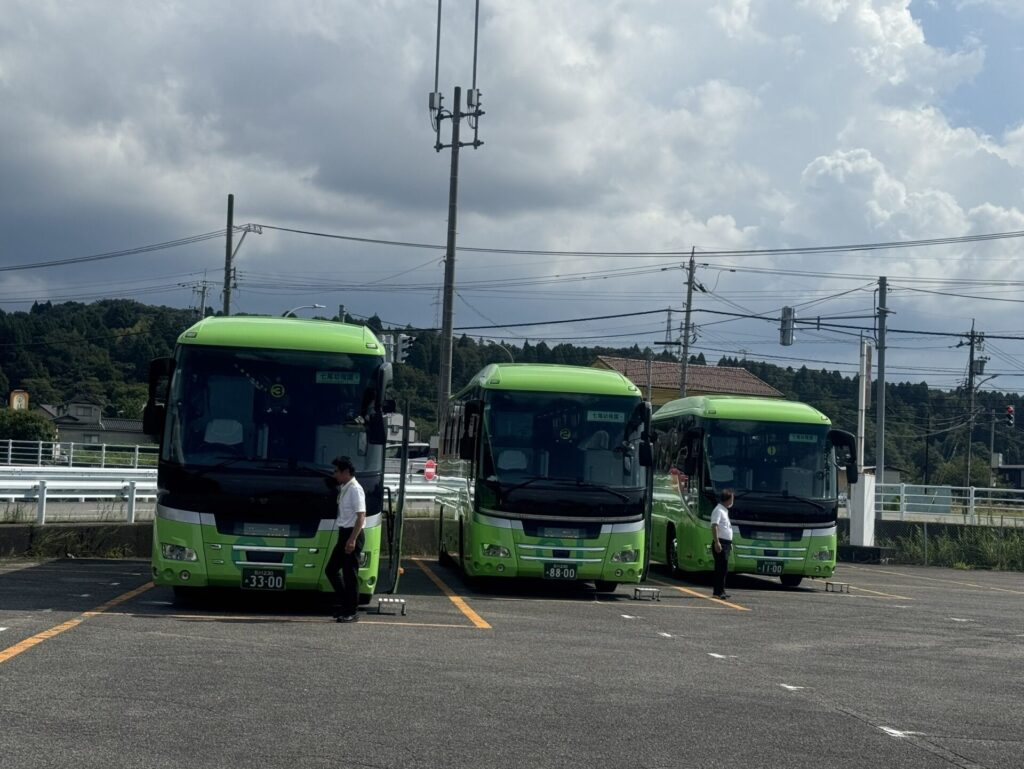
pixel 115 254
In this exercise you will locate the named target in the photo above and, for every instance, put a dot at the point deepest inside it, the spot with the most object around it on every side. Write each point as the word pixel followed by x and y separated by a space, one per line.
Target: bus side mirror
pixel 155 412
pixel 646 454
pixel 376 430
pixel 153 418
pixel 389 406
pixel 846 450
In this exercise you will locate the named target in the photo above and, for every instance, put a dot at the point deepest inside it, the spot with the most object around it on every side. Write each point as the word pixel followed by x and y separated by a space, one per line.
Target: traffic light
pixel 402 347
pixel 1010 416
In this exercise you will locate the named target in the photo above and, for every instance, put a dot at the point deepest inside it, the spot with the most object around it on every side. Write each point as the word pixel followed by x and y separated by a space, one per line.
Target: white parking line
pixel 790 687
pixel 665 635
pixel 629 616
pixel 722 656
pixel 896 732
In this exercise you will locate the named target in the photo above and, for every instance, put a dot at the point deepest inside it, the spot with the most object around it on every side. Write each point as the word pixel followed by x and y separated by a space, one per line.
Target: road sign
pixel 429 470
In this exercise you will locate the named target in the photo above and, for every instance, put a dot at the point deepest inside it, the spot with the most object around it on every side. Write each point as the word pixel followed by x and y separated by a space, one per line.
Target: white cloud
pixel 658 125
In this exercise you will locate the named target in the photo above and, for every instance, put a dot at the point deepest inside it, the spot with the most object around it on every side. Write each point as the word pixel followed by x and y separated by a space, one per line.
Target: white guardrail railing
pixel 950 504
pixel 51 493
pixel 70 454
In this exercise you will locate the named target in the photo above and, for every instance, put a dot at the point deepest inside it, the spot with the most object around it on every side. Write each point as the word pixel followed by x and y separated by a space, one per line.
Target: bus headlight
pixel 496 551
pixel 178 553
pixel 364 558
pixel 822 555
pixel 626 556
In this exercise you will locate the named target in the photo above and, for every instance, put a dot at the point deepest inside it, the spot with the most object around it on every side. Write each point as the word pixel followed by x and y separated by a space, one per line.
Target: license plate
pixel 263 579
pixel 559 571
pixel 774 568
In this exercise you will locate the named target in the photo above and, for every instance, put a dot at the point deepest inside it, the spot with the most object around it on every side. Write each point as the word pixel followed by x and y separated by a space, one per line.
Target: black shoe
pixel 348 618
pixel 721 596
pixel 725 596
pixel 336 612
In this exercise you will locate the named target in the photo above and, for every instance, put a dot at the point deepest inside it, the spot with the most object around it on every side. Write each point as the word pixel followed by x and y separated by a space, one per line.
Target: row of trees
pixel 58 352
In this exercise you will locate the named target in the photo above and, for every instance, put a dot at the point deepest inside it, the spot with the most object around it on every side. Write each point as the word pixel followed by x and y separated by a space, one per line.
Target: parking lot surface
pixel 911 667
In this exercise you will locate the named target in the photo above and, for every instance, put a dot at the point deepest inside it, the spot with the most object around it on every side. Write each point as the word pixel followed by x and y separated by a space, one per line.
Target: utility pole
pixel 992 451
pixel 668 327
pixel 437 114
pixel 684 362
pixel 970 413
pixel 880 415
pixel 863 398
pixel 445 383
pixel 228 253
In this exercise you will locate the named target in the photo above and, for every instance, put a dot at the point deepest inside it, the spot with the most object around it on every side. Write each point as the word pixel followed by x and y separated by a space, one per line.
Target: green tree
pixel 25 426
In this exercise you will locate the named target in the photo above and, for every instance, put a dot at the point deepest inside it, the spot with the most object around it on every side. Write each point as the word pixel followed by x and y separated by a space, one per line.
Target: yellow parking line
pixel 695 594
pixel 271 619
pixel 460 602
pixel 38 638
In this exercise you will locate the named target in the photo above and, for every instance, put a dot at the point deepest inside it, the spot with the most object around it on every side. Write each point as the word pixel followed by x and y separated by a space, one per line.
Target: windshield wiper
pixel 785 495
pixel 567 482
pixel 602 487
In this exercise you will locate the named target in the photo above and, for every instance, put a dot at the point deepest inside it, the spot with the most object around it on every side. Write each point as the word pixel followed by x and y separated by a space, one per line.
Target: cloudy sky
pixel 611 126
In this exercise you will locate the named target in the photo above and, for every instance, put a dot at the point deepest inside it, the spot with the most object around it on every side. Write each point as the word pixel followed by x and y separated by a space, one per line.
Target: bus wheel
pixel 605 586
pixel 672 550
pixel 790 580
pixel 442 552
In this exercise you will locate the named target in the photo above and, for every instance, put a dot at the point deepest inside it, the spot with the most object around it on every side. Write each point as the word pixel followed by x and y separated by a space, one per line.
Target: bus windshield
pixel 539 438
pixel 258 408
pixel 771 458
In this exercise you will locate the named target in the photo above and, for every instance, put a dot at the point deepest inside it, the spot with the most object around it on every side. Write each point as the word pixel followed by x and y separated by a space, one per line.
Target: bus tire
pixel 605 585
pixel 791 580
pixel 443 557
pixel 671 550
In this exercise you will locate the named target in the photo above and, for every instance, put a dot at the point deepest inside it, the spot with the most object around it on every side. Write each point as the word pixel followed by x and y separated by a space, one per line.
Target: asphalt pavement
pixel 912 667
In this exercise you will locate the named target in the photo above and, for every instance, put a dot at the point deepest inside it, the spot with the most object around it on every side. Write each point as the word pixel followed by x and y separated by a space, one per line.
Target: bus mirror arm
pixel 646 454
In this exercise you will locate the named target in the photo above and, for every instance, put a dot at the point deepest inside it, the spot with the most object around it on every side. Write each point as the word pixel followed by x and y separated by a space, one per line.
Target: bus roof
pixel 283 334
pixel 739 407
pixel 548 377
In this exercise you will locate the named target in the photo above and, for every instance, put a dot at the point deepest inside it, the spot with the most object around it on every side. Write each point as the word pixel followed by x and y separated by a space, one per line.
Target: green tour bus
pixel 544 472
pixel 250 412
pixel 779 457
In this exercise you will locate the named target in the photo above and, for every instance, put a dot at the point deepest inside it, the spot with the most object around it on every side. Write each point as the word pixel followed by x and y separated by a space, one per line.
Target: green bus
pixel 543 472
pixel 249 413
pixel 779 457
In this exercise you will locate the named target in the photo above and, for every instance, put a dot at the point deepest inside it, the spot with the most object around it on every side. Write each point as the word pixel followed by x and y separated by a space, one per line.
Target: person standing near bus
pixel 721 536
pixel 351 517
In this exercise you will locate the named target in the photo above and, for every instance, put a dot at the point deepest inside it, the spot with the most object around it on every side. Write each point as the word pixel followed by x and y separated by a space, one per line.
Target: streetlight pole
pixel 291 313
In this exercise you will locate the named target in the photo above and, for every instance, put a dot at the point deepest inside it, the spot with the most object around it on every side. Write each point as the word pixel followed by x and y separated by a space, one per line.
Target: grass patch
pixel 961 547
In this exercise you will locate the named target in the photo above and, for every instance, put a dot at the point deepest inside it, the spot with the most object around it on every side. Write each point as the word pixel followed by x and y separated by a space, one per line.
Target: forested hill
pixel 57 352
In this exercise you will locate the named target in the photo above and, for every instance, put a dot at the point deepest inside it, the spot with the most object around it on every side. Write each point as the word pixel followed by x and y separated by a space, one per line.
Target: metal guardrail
pixel 950 504
pixel 24 488
pixel 71 454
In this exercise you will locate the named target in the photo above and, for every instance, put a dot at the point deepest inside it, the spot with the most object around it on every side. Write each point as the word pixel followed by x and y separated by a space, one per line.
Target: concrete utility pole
pixel 228 253
pixel 684 362
pixel 970 400
pixel 880 414
pixel 437 114
pixel 448 303
pixel 992 452
pixel 863 398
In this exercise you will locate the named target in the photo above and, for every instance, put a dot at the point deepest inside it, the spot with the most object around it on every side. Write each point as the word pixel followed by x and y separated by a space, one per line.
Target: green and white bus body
pixel 544 472
pixel 780 459
pixel 250 413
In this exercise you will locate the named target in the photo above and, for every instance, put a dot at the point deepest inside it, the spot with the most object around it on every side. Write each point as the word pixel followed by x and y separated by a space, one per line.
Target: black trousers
pixel 721 565
pixel 345 584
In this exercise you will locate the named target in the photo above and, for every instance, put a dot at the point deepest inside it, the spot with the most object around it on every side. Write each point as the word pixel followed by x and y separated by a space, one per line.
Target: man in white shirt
pixel 351 517
pixel 721 540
